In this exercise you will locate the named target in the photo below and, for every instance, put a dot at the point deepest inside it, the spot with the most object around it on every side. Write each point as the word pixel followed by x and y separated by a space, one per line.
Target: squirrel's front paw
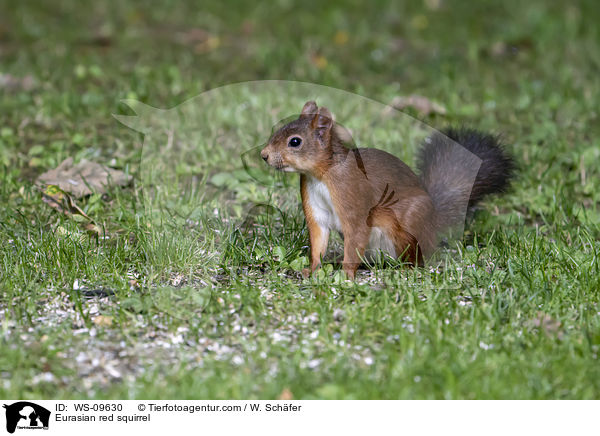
pixel 306 272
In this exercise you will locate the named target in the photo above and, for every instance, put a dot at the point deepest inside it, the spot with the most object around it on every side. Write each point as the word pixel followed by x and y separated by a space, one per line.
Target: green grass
pixel 194 307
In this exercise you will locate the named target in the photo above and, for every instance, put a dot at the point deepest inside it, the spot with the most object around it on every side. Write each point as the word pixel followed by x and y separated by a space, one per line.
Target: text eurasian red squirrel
pixel 373 198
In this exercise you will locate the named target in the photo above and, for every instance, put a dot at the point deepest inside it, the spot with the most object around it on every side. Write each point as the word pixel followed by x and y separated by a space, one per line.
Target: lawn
pixel 191 290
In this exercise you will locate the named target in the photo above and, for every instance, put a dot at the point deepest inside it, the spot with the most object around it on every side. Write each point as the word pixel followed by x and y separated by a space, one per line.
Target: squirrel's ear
pixel 310 109
pixel 322 124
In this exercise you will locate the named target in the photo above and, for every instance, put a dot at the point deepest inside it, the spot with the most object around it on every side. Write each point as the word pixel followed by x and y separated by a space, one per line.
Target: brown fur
pixel 368 188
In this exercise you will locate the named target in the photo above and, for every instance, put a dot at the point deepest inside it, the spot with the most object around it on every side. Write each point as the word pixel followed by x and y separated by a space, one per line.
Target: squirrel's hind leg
pixel 406 245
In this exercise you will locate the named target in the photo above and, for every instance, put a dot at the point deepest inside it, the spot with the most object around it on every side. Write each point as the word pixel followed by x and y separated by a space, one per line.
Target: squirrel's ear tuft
pixel 310 109
pixel 322 124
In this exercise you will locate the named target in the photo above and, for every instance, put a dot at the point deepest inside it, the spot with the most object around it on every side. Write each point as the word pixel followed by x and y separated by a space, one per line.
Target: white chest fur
pixel 320 202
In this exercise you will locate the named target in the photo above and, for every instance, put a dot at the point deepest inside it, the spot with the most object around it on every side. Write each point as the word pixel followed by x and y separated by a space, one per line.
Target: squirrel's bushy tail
pixel 448 171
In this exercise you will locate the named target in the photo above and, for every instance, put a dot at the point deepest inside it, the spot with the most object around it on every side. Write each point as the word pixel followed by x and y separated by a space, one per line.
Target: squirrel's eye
pixel 295 142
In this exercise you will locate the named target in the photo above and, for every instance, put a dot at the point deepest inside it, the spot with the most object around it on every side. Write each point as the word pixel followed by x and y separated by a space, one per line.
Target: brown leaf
pixel 318 61
pixel 341 37
pixel 286 395
pixel 100 39
pixel 247 27
pixel 510 47
pixel 103 321
pixel 12 83
pixel 212 43
pixel 63 203
pixel 422 104
pixel 193 36
pixel 83 178
pixel 201 40
pixel 433 5
pixel 548 325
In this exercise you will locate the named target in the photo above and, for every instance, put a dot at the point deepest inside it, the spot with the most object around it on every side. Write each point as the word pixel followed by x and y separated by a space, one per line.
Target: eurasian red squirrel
pixel 373 198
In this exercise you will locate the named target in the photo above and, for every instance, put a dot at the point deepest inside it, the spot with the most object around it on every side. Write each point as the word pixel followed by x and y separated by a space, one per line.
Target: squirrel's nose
pixel 264 155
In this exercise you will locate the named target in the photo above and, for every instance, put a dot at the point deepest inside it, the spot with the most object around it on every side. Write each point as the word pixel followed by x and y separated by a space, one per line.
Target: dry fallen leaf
pixel 318 61
pixel 211 43
pixel 103 320
pixel 83 178
pixel 419 103
pixel 12 83
pixel 341 37
pixel 548 325
pixel 62 202
pixel 285 395
pixel 193 36
pixel 433 5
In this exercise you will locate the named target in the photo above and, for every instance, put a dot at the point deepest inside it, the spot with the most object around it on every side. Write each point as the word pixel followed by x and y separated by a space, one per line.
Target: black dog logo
pixel 31 413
